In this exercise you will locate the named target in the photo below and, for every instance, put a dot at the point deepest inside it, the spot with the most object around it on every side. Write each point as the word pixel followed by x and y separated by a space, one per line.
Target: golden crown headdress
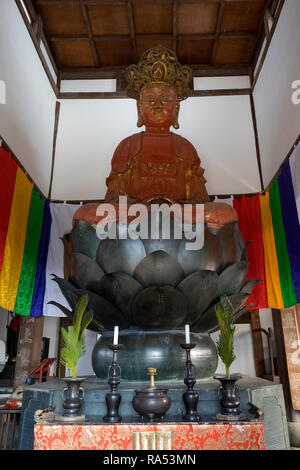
pixel 158 66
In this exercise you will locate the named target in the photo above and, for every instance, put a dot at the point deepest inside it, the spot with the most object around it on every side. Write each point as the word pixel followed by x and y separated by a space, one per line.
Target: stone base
pixel 262 393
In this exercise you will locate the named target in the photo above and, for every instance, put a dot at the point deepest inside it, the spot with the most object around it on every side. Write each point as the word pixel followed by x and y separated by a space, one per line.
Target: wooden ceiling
pixel 98 35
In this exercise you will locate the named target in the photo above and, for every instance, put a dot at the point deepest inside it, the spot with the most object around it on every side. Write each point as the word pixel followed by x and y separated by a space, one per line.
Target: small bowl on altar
pixel 151 403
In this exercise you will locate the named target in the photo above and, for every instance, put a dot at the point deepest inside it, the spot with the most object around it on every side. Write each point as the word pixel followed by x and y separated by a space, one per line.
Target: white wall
pixel 27 118
pixel 89 131
pixel 278 119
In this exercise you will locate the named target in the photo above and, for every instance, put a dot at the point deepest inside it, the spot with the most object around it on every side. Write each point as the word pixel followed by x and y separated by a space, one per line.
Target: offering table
pixel 169 435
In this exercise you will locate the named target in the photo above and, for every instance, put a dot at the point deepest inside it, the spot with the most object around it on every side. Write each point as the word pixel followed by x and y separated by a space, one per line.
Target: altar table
pixel 179 436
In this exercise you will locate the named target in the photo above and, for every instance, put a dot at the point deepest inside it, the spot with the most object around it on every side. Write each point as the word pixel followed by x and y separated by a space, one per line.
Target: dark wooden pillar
pixel 281 360
pixel 29 348
pixel 258 348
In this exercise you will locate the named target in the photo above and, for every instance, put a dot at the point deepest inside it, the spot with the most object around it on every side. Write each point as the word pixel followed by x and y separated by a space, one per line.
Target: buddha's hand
pixel 217 214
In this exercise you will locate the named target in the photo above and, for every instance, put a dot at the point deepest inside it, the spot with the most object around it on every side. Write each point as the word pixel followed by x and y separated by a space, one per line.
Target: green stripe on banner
pixel 285 274
pixel 33 234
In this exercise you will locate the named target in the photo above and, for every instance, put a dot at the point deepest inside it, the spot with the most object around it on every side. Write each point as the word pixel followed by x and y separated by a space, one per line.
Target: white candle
pixel 187 334
pixel 116 334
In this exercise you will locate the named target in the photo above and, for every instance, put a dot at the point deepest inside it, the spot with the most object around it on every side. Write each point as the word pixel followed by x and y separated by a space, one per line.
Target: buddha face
pixel 158 107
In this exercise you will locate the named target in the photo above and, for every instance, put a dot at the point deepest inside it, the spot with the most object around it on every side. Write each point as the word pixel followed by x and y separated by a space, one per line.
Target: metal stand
pixel 113 398
pixel 190 397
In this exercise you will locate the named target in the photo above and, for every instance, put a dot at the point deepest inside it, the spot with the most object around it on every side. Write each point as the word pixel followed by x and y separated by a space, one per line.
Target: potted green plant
pixel 228 391
pixel 73 350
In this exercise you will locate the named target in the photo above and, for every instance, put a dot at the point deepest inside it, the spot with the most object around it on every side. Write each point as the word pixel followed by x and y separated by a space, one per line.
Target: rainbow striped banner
pixel 271 223
pixel 25 222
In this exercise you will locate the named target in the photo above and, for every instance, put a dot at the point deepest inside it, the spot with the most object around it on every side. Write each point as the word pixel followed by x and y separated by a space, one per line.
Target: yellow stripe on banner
pixel 15 241
pixel 271 263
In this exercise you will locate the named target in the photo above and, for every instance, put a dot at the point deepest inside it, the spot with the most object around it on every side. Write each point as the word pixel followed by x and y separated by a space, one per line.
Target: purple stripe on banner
pixel 40 279
pixel 291 223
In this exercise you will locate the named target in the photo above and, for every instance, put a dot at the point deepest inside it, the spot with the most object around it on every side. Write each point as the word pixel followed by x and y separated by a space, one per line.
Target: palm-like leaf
pixel 225 346
pixel 74 345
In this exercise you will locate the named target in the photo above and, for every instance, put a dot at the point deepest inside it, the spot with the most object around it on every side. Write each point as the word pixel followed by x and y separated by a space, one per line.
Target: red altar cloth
pixel 237 436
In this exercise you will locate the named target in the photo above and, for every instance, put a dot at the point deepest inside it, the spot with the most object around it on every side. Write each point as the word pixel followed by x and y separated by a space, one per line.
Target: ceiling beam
pixel 122 94
pixel 88 26
pixel 123 2
pixel 151 37
pixel 218 31
pixel 198 70
pixel 175 25
pixel 132 31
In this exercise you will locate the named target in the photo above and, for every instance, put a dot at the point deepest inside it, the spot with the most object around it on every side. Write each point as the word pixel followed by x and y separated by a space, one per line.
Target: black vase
pixel 229 395
pixel 73 395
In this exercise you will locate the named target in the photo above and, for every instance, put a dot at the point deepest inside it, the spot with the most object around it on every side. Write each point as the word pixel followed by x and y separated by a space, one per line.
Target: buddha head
pixel 158 83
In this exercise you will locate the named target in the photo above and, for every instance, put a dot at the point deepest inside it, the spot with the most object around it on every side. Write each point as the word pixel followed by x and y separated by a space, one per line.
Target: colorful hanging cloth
pixel 271 263
pixel 8 171
pixel 286 281
pixel 40 277
pixel 291 224
pixel 248 209
pixel 21 243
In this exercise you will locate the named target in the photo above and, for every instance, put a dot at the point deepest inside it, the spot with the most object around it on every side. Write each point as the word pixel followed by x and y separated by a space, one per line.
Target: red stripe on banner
pixel 248 209
pixel 8 171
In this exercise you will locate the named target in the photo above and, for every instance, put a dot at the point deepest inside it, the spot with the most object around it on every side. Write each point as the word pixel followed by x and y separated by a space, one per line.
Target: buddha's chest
pixel 158 157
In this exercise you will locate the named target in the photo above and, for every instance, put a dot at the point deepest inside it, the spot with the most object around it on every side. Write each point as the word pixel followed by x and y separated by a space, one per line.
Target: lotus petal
pixel 120 255
pixel 164 242
pixel 208 258
pixel 201 290
pixel 84 239
pixel 249 286
pixel 106 314
pixel 159 307
pixel 233 278
pixel 208 322
pixel 120 289
pixel 231 245
pixel 86 272
pixel 158 269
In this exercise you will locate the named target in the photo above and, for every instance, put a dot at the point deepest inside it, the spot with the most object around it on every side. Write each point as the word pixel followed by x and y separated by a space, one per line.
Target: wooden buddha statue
pixel 157 163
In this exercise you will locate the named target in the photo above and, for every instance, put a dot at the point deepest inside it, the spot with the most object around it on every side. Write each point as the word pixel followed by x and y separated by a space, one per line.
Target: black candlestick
pixel 113 398
pixel 190 397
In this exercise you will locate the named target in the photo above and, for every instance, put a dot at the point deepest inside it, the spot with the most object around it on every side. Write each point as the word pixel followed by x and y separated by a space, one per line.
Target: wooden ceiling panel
pixel 153 19
pixel 108 19
pixel 114 52
pixel 111 34
pixel 143 44
pixel 242 16
pixel 73 53
pixel 61 18
pixel 197 18
pixel 235 50
pixel 194 51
